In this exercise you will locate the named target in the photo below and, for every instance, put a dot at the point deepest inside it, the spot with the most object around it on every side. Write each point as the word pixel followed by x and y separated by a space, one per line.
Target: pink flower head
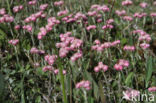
pixel 120 13
pixel 76 56
pixel 124 63
pixel 43 6
pixel 91 27
pixel 92 13
pixel 33 2
pixel 62 13
pixel 144 45
pixel 115 43
pixel 14 42
pixel 153 14
pixel 28 28
pixel 47 68
pixel 118 67
pixel 101 66
pixel 143 5
pixel 128 18
pixel 56 71
pixel 17 8
pixel 36 64
pixel 107 26
pixel 17 27
pixel 127 3
pixel 110 21
pixel 97 42
pixel 50 59
pixel 58 3
pixel 34 50
pixel 2 11
pixel 129 48
pixel 84 84
pixel 152 89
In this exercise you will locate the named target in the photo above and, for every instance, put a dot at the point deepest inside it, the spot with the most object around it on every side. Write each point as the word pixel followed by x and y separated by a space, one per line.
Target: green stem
pixel 62 83
pixel 8 5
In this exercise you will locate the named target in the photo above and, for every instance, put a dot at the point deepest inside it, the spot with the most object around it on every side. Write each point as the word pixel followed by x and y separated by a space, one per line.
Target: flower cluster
pixel 33 2
pixel 36 51
pixel 43 7
pixel 121 64
pixel 144 38
pixel 127 3
pixel 58 3
pixel 101 66
pixel 17 8
pixel 152 89
pixel 34 17
pixel 50 59
pixel 120 13
pixel 84 84
pixel 6 19
pixel 28 28
pixel 129 48
pixel 2 11
pixel 140 15
pixel 52 21
pixel 69 44
pixel 14 42
pixel 90 27
pixel 101 47
pixel 56 71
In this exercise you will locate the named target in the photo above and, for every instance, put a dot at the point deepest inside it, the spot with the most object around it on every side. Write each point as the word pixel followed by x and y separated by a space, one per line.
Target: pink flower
pixel 127 3
pixel 47 68
pixel 129 48
pixel 56 71
pixel 107 26
pixel 91 27
pixel 97 42
pixel 120 13
pixel 43 6
pixel 153 14
pixel 144 45
pixel 124 63
pixel 17 8
pixel 50 59
pixel 92 13
pixel 143 5
pixel 2 11
pixel 109 21
pixel 14 42
pixel 36 64
pixel 76 56
pixel 128 18
pixel 34 50
pixel 101 66
pixel 118 67
pixel 152 89
pixel 84 84
pixel 58 3
pixel 33 2
pixel 62 13
pixel 17 27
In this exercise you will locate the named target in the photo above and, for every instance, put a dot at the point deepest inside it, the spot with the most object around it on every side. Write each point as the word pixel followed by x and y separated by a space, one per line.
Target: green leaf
pixel 129 78
pixel 1 84
pixel 123 41
pixel 149 70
